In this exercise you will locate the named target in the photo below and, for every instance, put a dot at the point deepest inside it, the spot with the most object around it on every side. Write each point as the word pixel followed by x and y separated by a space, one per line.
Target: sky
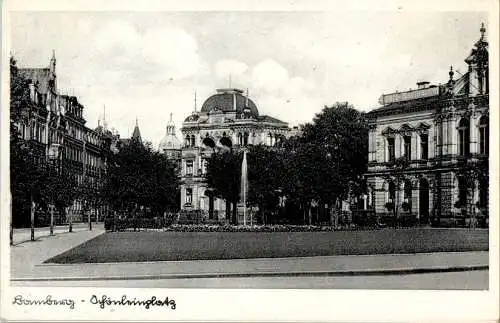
pixel 147 65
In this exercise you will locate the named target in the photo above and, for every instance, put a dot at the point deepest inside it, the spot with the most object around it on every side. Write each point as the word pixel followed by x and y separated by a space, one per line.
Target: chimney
pixel 422 84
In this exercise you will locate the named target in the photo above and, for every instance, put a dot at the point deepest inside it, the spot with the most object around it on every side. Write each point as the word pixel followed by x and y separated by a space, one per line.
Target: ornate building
pixel 170 145
pixel 427 145
pixel 227 119
pixel 55 125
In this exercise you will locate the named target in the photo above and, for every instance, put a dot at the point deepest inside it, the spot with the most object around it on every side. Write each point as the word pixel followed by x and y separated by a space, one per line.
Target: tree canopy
pixel 139 177
pixel 325 164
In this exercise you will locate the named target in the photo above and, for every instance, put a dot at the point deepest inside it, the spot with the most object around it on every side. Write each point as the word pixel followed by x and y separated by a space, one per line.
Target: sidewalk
pixel 24 234
pixel 27 264
pixel 27 255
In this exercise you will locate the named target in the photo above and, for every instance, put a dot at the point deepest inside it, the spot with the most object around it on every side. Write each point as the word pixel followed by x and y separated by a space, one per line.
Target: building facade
pixel 228 119
pixel 427 147
pixel 55 125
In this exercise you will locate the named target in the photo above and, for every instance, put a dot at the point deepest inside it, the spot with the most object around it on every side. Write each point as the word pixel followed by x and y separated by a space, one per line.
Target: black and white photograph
pixel 289 149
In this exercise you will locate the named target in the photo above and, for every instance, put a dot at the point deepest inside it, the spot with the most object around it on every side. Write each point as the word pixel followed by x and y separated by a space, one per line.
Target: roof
pixel 224 101
pixel 136 134
pixel 269 119
pixel 401 106
pixel 40 75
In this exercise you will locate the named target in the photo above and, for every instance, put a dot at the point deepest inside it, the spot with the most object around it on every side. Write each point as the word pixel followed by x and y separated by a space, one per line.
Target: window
pixel 245 138
pixel 464 137
pixel 462 191
pixel 408 191
pixel 189 167
pixel 203 166
pixel 484 132
pixel 407 147
pixel 392 192
pixel 424 146
pixel 189 195
pixel 391 149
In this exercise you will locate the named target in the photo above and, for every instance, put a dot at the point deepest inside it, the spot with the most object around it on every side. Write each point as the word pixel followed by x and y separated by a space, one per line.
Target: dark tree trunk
pixel 309 213
pixel 263 213
pixel 228 210
pixel 235 213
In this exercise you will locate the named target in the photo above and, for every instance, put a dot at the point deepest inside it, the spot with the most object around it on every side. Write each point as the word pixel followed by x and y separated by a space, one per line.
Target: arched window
pixel 484 132
pixel 225 141
pixel 240 139
pixel 464 137
pixel 209 142
pixel 245 139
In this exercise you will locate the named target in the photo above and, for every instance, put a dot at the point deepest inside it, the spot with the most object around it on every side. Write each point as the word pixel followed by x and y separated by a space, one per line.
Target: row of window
pixel 464 136
pixel 35 132
pixel 463 141
pixel 242 137
pixel 424 147
pixel 79 156
pixel 76 132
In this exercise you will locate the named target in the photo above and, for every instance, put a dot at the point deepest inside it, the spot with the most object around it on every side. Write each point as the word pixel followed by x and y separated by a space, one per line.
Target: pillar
pixel 474 134
pixel 385 153
pixel 445 136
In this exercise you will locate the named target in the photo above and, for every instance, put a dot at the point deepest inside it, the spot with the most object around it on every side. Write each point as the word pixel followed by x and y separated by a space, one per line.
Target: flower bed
pixel 254 228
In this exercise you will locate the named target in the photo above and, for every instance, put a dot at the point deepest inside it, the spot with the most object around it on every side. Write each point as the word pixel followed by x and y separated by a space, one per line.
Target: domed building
pixel 227 119
pixel 170 145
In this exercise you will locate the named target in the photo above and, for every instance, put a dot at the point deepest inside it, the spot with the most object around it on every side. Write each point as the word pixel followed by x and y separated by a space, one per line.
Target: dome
pixel 169 142
pixel 224 101
pixel 192 118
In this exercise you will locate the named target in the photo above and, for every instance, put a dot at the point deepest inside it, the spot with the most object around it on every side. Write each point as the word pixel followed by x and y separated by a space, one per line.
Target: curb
pixel 53 264
pixel 338 273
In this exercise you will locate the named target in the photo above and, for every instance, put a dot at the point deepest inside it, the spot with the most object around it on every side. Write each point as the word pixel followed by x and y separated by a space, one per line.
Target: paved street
pixel 452 280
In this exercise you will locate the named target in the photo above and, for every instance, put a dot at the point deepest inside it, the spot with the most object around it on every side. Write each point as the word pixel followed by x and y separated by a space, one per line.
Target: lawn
pixel 155 246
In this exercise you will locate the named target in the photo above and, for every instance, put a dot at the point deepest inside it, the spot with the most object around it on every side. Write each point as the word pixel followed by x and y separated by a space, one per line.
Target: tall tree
pixel 265 170
pixel 224 177
pixel 138 178
pixel 340 134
